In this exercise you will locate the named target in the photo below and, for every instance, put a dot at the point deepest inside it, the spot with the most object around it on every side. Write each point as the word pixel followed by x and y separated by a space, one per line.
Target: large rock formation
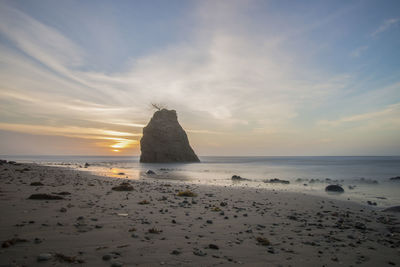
pixel 164 140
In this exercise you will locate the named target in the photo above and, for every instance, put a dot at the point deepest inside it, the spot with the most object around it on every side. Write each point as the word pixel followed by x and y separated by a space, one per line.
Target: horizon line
pixel 236 156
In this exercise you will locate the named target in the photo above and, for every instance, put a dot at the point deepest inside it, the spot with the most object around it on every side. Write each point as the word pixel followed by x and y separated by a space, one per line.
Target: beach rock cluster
pixel 164 140
pixel 238 178
pixel 397 178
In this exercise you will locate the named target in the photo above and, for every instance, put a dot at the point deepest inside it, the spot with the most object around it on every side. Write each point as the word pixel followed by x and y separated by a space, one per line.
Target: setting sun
pixel 124 143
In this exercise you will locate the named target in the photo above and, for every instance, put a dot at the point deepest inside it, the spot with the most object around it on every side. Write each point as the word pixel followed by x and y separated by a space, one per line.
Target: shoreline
pixel 221 226
pixel 360 183
pixel 360 194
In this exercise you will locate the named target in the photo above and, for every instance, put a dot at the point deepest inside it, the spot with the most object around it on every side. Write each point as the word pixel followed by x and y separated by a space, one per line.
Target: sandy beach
pixel 91 224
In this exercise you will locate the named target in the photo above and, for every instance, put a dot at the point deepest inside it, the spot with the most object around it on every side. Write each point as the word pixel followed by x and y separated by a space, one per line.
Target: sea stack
pixel 164 140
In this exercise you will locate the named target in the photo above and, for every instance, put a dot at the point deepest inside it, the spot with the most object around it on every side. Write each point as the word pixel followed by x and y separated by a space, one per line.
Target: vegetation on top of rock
pixel 154 231
pixel 71 259
pixel 263 241
pixel 216 209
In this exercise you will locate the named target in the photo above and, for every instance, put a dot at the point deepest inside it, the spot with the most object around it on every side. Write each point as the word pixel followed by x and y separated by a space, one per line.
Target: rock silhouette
pixel 164 140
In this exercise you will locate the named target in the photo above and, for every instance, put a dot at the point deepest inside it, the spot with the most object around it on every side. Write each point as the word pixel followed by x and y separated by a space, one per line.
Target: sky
pixel 246 77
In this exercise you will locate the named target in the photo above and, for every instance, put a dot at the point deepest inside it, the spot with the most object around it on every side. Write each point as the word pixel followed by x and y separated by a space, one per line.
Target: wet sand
pixel 94 225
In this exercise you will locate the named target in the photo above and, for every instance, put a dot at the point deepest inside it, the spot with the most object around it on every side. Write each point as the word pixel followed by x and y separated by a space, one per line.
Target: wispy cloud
pixel 358 51
pixel 70 131
pixel 207 76
pixel 386 25
pixel 390 113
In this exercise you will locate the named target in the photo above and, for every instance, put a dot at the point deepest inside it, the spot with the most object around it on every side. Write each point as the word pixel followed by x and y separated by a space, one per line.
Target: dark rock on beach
pixel 150 172
pixel 63 193
pixel 392 209
pixel 238 178
pixel 276 181
pixel 44 257
pixel 36 184
pixel 125 186
pixel 334 188
pixel 213 246
pixel 44 197
pixel 368 181
pixel 397 178
pixel 164 140
pixel 11 242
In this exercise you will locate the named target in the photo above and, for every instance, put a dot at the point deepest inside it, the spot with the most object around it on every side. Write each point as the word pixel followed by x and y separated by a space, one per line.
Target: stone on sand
pixel 125 186
pixel 238 178
pixel 392 209
pixel 334 188
pixel 44 197
pixel 276 181
pixel 36 184
pixel 44 257
pixel 150 172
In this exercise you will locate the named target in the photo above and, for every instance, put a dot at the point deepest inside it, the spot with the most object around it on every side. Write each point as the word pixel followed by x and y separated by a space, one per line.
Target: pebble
pixel 213 246
pixel 44 257
pixel 116 264
pixel 175 252
pixel 199 252
pixel 106 257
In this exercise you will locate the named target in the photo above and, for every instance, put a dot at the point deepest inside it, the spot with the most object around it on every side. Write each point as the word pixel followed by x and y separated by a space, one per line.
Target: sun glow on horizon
pixel 114 139
pixel 124 144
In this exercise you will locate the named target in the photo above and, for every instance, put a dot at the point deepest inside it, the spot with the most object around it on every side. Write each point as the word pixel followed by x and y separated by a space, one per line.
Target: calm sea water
pixel 363 178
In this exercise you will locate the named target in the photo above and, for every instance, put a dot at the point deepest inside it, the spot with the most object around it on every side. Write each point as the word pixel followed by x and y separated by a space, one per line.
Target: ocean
pixel 363 178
